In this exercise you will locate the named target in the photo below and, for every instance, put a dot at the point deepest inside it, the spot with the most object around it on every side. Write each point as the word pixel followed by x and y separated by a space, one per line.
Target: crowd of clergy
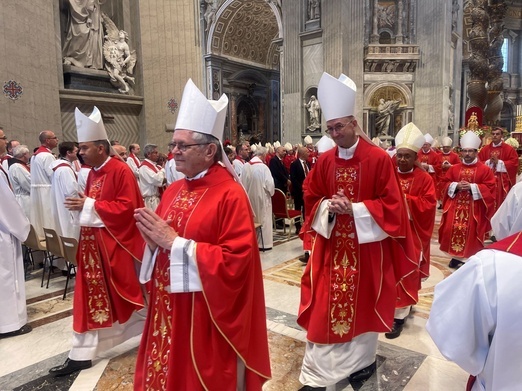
pixel 380 199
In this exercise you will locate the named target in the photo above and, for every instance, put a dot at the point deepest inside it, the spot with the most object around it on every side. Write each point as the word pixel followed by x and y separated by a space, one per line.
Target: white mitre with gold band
pixel 470 140
pixel 202 115
pixel 90 128
pixel 447 141
pixel 308 140
pixel 336 96
pixel 409 137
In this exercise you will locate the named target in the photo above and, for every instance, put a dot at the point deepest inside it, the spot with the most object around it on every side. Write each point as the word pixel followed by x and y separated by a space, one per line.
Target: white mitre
pixel 202 115
pixel 409 137
pixel 308 140
pixel 447 141
pixel 470 140
pixel 428 138
pixel 288 147
pixel 336 96
pixel 277 144
pixel 324 144
pixel 89 128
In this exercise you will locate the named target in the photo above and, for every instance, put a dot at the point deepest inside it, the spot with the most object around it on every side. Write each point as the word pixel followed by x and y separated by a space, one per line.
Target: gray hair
pixel 148 149
pixel 260 151
pixel 20 150
pixel 203 138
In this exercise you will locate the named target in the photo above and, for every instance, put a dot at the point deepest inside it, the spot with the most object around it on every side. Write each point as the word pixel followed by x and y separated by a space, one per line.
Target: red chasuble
pixel 505 180
pixel 465 221
pixel 420 196
pixel 192 340
pixel 452 158
pixel 433 159
pixel 107 286
pixel 349 288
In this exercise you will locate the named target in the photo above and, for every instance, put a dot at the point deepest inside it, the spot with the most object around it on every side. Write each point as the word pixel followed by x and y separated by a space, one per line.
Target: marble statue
pixel 119 60
pixel 84 40
pixel 314 9
pixel 210 13
pixel 385 112
pixel 313 110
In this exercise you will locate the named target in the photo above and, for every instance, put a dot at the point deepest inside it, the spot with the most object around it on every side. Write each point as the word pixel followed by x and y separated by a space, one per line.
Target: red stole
pixel 155 169
pixel 66 165
pixel 42 149
pixel 136 160
pixel 107 287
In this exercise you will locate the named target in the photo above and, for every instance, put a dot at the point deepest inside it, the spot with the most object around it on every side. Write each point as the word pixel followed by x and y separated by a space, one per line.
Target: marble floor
pixel 410 362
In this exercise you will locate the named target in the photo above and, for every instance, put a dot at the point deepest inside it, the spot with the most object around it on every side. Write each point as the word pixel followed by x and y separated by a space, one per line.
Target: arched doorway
pixel 242 45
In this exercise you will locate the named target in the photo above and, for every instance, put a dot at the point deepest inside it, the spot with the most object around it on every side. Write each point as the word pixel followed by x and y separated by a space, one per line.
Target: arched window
pixel 505 54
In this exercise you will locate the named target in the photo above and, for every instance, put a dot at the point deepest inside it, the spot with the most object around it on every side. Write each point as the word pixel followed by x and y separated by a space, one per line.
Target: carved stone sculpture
pixel 385 112
pixel 210 13
pixel 119 60
pixel 84 40
pixel 314 108
pixel 314 9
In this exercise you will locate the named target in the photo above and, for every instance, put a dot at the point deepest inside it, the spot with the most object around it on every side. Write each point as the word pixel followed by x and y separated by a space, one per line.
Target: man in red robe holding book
pixel 108 295
pixel 206 325
pixel 362 248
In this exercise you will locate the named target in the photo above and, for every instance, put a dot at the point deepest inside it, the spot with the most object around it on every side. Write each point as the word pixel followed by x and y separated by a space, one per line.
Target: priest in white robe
pixel 151 177
pixel 259 185
pixel 476 317
pixel 41 174
pixel 14 228
pixel 65 184
pixel 507 220
pixel 20 177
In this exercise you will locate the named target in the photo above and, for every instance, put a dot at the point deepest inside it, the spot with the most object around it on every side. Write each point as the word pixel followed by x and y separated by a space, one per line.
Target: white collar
pixel 106 161
pixel 347 153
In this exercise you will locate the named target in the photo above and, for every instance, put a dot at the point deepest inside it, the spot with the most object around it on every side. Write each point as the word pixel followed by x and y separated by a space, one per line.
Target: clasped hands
pixel 155 231
pixel 464 185
pixel 340 204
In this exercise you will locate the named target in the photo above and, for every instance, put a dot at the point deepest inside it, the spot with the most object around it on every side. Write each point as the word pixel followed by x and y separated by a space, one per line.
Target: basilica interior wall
pixel 30 58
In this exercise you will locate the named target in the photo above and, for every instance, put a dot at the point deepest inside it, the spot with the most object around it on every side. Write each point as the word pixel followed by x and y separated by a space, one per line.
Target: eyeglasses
pixel 184 147
pixel 338 127
pixel 3 138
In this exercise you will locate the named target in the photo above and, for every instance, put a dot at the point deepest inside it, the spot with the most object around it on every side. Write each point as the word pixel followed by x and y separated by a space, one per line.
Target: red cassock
pixel 505 180
pixel 107 286
pixel 452 158
pixel 465 221
pixel 433 159
pixel 192 340
pixel 419 190
pixel 349 288
pixel 288 160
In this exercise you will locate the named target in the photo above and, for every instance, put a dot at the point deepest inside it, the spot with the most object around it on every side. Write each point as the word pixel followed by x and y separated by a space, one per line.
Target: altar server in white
pixel 507 220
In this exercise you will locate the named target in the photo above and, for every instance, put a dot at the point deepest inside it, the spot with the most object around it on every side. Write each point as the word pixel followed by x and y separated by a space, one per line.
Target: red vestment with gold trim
pixel 452 158
pixel 420 196
pixel 431 158
pixel 465 221
pixel 192 340
pixel 107 286
pixel 349 288
pixel 505 180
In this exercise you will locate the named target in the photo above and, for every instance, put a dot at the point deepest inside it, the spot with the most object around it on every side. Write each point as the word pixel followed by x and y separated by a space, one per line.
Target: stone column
pixel 261 119
pixel 375 24
pixel 233 118
pixel 399 37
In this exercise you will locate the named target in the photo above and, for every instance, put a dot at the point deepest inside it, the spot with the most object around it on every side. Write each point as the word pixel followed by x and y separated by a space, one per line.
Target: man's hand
pixel 73 203
pixel 464 185
pixel 155 231
pixel 340 204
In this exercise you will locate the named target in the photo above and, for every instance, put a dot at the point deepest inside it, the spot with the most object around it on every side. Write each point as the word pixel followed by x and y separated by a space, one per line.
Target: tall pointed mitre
pixel 428 138
pixel 202 115
pixel 409 137
pixel 447 141
pixel 308 140
pixel 324 144
pixel 470 140
pixel 336 96
pixel 90 128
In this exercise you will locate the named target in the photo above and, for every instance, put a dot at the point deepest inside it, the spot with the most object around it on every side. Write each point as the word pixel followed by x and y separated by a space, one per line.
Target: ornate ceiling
pixel 245 30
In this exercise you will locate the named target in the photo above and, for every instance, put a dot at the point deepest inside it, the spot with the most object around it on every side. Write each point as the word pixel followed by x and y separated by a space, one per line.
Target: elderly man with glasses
pixel 362 251
pixel 468 204
pixel 206 324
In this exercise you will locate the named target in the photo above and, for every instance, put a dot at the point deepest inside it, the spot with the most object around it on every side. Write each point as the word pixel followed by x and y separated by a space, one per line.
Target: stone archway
pixel 242 61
